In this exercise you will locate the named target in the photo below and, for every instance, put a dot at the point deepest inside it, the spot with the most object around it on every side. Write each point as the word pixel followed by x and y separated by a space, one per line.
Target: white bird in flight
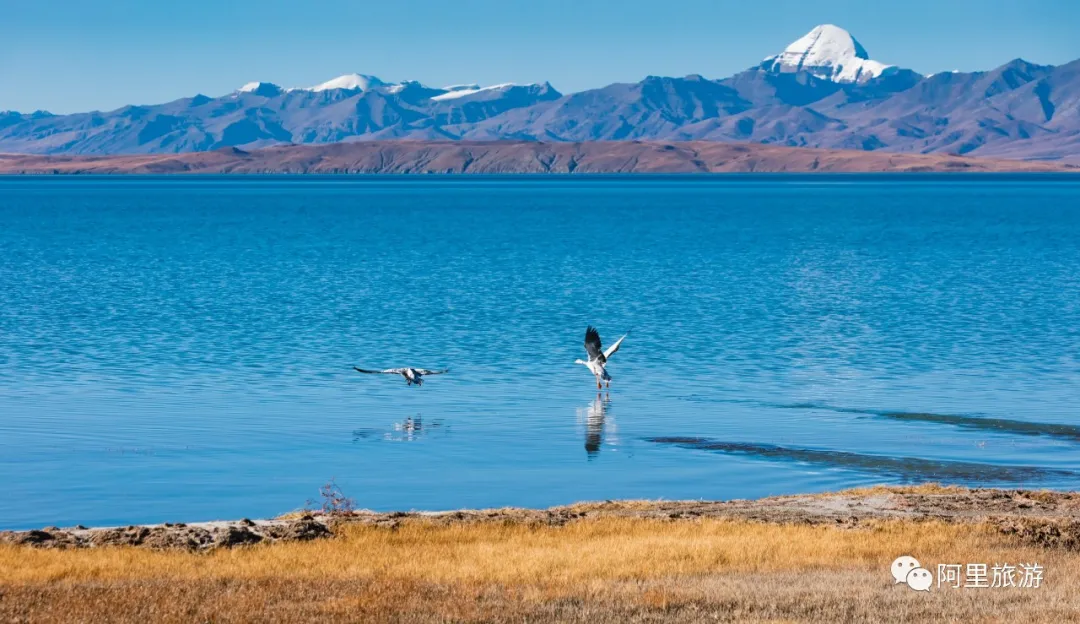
pixel 598 357
pixel 411 375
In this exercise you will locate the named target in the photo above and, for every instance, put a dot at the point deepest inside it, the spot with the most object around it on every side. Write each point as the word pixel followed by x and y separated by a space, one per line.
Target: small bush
pixel 333 501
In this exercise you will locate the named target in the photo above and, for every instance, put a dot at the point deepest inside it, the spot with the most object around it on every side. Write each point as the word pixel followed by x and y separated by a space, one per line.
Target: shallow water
pixel 181 348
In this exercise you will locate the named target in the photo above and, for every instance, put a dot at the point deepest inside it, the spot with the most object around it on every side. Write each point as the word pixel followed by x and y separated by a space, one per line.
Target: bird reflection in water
pixel 405 431
pixel 596 417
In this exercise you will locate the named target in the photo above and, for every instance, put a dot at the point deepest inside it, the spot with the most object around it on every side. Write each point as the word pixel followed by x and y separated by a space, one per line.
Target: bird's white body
pixel 598 357
pixel 597 368
pixel 411 375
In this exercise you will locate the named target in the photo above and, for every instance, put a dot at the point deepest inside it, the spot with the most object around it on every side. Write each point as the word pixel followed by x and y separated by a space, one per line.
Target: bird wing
pixel 424 371
pixel 389 371
pixel 615 347
pixel 592 344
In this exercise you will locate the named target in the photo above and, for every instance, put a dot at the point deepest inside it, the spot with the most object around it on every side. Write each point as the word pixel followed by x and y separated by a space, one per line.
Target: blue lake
pixel 182 348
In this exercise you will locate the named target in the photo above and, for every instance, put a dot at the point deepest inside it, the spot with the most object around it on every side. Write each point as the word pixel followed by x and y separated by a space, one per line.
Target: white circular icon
pixel 902 566
pixel 920 579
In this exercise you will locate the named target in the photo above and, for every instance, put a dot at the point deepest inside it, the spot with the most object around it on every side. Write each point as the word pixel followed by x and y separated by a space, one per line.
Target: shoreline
pixel 518 157
pixel 1014 511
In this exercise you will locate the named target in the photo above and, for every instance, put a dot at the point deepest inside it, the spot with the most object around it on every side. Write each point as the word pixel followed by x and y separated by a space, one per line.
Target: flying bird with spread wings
pixel 411 375
pixel 598 357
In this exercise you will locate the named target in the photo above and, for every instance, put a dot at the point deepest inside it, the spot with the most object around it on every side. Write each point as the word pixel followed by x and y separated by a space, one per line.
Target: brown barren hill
pixel 494 157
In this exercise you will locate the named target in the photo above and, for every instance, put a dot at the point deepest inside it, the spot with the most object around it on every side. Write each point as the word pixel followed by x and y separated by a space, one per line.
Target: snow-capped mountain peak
pixel 267 89
pixel 458 91
pixel 454 92
pixel 828 52
pixel 362 82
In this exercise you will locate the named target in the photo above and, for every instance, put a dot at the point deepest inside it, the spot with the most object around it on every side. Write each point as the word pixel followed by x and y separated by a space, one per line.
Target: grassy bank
pixel 596 569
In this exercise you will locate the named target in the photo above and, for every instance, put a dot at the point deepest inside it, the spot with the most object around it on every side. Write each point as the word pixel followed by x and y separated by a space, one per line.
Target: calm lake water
pixel 182 348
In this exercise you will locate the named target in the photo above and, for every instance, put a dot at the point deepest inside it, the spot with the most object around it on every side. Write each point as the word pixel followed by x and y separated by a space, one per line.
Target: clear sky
pixel 76 55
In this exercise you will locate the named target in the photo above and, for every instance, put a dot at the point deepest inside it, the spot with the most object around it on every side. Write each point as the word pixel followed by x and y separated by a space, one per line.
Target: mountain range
pixel 822 91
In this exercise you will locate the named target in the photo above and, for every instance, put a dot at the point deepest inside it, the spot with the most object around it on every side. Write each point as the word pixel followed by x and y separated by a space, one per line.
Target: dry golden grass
pixel 927 489
pixel 600 570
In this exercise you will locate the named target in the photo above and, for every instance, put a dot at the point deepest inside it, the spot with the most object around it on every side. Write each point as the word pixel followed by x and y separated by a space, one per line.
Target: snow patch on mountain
pixel 459 91
pixel 828 52
pixel 266 89
pixel 364 82
pixel 352 82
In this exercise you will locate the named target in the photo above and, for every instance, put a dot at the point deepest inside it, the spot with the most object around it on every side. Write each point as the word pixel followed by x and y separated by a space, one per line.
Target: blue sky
pixel 67 55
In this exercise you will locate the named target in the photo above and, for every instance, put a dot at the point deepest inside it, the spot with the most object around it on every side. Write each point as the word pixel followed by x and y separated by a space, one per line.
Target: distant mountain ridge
pixel 824 90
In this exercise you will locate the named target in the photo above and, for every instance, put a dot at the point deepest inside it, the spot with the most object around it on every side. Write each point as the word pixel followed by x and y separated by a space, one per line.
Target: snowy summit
pixel 265 89
pixel 351 82
pixel 454 92
pixel 458 91
pixel 828 52
pixel 364 82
